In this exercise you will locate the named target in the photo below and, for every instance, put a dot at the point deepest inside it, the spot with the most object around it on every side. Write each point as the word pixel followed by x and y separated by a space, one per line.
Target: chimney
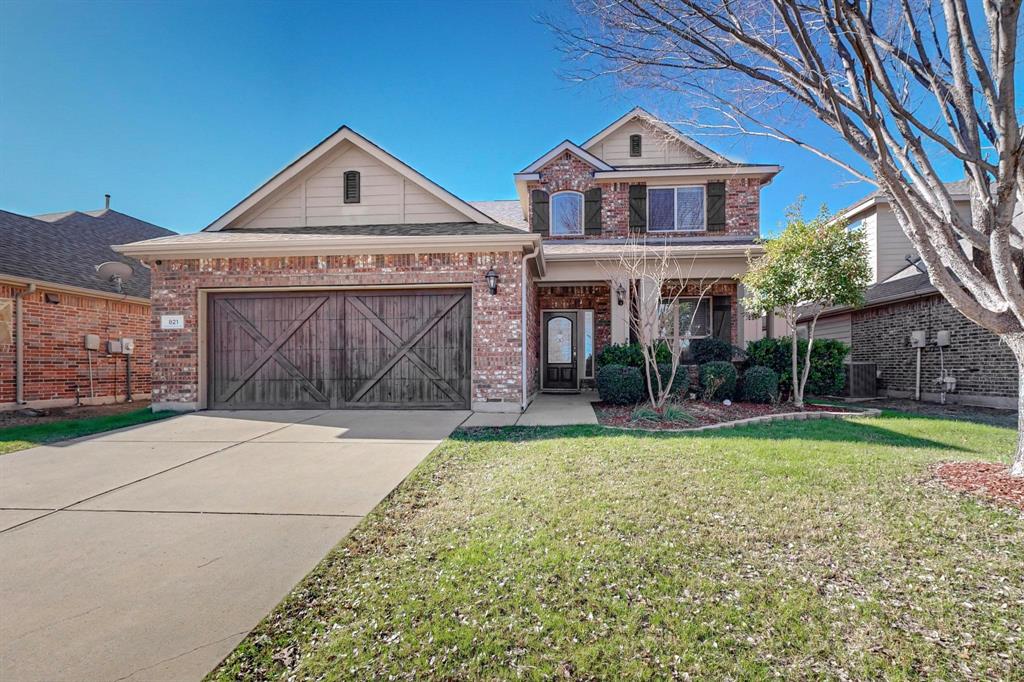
pixel 106 201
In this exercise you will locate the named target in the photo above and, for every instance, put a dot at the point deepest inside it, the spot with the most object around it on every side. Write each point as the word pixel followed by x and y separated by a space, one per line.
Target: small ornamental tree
pixel 812 265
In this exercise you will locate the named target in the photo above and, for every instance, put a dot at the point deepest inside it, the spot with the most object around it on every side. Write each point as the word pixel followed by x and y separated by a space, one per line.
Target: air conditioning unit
pixel 861 379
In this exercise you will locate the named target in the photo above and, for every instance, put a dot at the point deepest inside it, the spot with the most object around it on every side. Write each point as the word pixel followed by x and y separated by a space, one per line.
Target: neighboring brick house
pixel 51 297
pixel 978 368
pixel 351 280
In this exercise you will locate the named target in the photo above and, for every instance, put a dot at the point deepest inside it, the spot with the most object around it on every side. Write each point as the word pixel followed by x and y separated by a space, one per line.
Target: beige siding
pixel 314 198
pixel 837 327
pixel 656 147
pixel 892 245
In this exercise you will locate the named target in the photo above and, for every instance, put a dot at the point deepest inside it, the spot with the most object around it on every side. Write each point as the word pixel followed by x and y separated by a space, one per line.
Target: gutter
pixel 616 255
pixel 70 289
pixel 899 298
pixel 640 174
pixel 526 257
pixel 329 246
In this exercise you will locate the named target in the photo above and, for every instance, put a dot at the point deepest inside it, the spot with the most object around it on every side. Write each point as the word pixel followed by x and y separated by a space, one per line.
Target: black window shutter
pixel 721 317
pixel 716 207
pixel 541 215
pixel 351 189
pixel 592 211
pixel 638 208
pixel 634 145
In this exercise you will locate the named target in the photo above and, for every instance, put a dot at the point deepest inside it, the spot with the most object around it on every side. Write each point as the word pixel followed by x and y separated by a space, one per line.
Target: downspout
pixel 19 346
pixel 526 257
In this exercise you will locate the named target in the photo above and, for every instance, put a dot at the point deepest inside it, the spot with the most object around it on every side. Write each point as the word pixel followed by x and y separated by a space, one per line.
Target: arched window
pixel 351 188
pixel 566 213
pixel 635 148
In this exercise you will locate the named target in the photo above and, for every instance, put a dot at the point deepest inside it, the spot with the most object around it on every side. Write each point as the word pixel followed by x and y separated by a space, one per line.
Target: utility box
pixel 942 338
pixel 127 346
pixel 92 342
pixel 114 347
pixel 918 339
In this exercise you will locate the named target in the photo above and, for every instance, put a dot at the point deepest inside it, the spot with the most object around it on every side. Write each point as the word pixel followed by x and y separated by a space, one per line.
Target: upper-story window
pixel 566 213
pixel 635 145
pixel 351 187
pixel 676 209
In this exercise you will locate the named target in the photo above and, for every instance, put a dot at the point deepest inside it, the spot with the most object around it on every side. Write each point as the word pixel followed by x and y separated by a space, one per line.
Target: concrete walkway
pixel 547 409
pixel 148 553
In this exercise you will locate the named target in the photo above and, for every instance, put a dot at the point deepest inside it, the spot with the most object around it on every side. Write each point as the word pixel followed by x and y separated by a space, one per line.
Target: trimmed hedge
pixel 681 384
pixel 760 385
pixel 620 385
pixel 826 376
pixel 717 371
pixel 630 355
pixel 710 350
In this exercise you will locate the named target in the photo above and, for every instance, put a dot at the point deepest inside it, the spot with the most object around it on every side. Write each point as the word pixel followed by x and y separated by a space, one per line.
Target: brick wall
pixel 56 362
pixel 984 368
pixel 496 319
pixel 569 172
pixel 596 297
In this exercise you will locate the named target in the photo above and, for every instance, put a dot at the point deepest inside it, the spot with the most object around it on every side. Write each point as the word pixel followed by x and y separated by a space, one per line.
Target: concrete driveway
pixel 148 553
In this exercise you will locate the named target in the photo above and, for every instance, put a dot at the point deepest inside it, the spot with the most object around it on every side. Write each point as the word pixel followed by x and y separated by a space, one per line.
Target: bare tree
pixel 907 87
pixel 659 280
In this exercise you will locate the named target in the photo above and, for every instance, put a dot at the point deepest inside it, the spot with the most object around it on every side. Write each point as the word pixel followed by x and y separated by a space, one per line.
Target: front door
pixel 558 353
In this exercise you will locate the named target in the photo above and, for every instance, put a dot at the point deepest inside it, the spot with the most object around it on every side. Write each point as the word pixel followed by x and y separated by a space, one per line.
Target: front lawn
pixel 14 438
pixel 799 549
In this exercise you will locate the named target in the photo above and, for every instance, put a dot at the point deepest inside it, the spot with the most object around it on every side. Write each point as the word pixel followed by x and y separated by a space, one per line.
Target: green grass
pixel 804 550
pixel 14 438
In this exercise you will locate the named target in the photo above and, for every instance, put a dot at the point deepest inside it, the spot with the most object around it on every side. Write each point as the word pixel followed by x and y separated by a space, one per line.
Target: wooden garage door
pixel 339 349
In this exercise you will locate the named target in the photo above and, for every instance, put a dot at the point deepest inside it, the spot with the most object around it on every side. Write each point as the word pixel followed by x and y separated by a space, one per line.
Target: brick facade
pixel 56 363
pixel 596 297
pixel 497 318
pixel 568 172
pixel 984 368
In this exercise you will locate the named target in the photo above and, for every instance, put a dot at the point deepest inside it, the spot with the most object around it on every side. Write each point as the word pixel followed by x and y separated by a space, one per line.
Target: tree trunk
pixel 1016 344
pixel 798 396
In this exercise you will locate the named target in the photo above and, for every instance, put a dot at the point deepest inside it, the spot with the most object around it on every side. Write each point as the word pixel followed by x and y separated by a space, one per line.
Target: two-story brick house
pixel 351 280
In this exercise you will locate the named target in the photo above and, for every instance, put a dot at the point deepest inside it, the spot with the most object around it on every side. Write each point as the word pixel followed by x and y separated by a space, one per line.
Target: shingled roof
pixel 65 248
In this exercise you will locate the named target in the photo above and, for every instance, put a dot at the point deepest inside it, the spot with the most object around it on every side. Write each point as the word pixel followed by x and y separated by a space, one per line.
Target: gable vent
pixel 634 145
pixel 351 189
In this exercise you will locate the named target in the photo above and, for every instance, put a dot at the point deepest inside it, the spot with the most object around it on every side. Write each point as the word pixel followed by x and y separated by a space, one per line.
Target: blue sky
pixel 180 109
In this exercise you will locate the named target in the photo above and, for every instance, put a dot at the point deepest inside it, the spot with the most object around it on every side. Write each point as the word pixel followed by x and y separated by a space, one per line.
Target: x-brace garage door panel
pixel 340 349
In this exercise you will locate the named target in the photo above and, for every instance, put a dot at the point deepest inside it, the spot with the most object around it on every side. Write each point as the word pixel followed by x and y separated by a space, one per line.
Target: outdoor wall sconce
pixel 620 294
pixel 492 281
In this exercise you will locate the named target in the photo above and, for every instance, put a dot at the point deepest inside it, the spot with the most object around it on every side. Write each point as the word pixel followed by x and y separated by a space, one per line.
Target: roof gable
pixel 653 123
pixel 572 148
pixel 285 188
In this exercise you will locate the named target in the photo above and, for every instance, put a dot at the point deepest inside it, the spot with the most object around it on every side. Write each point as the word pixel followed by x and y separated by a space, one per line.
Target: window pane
pixel 660 206
pixel 697 323
pixel 689 208
pixel 559 341
pixel 588 343
pixel 567 213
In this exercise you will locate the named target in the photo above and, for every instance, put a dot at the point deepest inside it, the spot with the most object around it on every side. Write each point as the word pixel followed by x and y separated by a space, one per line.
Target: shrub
pixel 681 384
pixel 710 350
pixel 630 355
pixel 620 385
pixel 760 385
pixel 718 380
pixel 826 376
pixel 644 413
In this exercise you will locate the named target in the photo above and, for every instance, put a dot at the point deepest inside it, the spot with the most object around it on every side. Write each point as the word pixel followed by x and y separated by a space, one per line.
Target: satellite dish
pixel 114 271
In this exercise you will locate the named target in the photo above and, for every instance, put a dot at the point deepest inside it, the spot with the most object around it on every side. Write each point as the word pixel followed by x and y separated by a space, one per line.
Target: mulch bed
pixel 988 480
pixel 702 413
